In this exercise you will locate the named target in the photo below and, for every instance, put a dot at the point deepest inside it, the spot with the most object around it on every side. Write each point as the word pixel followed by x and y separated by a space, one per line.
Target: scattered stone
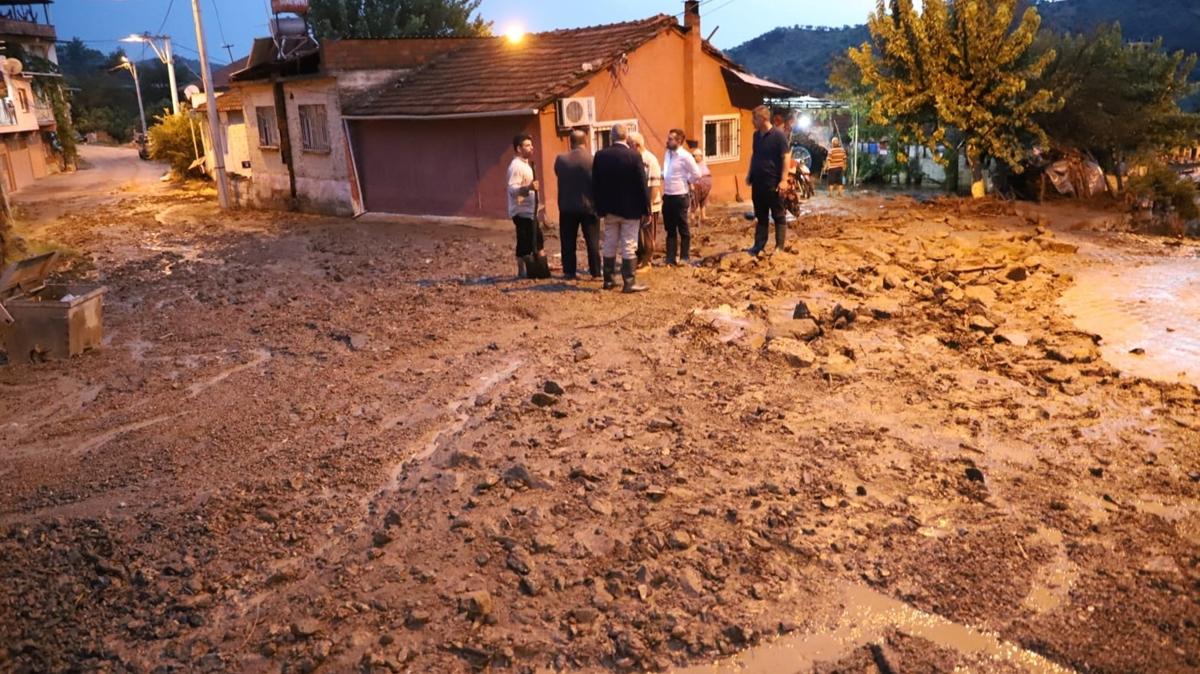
pixel 1161 565
pixel 680 539
pixel 518 563
pixel 844 316
pixel 306 628
pixel 1016 274
pixel 975 475
pixel 553 388
pixel 358 341
pixel 1139 351
pixel 839 367
pixel 689 581
pixel 518 476
pixel 477 605
pixel 883 307
pixel 1059 375
pixel 804 329
pixel 543 399
pixel 982 324
pixel 584 615
pixel 801 311
pixel 795 352
pixel 1055 246
pixel 417 618
pixel 1076 350
pixel 1017 339
pixel 981 294
pixel 381 538
pixel 531 586
pixel 600 507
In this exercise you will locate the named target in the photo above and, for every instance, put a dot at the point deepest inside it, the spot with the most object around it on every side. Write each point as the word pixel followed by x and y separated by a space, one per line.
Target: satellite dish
pixel 191 90
pixel 13 66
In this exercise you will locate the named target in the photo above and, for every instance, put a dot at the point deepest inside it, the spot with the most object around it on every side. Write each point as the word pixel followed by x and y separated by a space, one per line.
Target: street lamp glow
pixel 804 123
pixel 134 37
pixel 515 34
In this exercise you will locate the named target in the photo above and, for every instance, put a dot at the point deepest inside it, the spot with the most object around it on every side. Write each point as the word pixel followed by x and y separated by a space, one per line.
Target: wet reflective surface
pixel 868 617
pixel 1148 312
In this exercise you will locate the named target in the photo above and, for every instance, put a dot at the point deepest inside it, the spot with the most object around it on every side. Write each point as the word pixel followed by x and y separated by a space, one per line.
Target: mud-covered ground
pixel 334 445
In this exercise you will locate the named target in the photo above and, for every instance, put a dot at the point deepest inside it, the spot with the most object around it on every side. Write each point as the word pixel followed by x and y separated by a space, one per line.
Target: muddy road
pixel 328 445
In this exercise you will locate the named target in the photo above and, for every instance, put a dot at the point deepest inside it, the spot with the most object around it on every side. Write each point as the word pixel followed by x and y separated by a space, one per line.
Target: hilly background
pixel 800 55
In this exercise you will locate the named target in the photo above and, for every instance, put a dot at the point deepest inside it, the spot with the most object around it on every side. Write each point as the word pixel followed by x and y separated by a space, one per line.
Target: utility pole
pixel 214 125
pixel 137 87
pixel 166 56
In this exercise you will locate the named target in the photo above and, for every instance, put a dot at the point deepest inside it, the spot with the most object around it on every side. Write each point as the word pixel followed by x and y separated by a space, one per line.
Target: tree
pixel 347 19
pixel 172 140
pixel 957 70
pixel 1121 99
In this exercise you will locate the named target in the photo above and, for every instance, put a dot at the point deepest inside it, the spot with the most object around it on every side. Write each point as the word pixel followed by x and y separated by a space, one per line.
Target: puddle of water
pixel 1052 583
pixel 869 616
pixel 1155 307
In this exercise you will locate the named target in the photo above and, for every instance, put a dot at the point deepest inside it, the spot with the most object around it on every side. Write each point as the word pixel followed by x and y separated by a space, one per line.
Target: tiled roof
pixel 491 75
pixel 226 101
pixel 221 75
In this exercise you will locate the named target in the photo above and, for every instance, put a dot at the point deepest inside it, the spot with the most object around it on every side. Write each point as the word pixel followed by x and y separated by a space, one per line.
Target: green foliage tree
pixel 957 68
pixel 1121 99
pixel 346 19
pixel 171 141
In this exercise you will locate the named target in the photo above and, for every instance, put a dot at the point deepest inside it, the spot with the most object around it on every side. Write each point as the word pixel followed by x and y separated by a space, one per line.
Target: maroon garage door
pixel 444 167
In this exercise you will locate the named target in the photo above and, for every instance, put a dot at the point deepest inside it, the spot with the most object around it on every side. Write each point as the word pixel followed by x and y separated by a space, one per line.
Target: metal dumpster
pixel 41 321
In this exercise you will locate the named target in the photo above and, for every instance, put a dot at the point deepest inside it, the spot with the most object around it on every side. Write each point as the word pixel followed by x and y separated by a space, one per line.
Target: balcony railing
pixel 45 114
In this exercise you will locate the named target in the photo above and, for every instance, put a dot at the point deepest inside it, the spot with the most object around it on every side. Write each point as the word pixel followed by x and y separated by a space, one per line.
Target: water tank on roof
pixel 288 26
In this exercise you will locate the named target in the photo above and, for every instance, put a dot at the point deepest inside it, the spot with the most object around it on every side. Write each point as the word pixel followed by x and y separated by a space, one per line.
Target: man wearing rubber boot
pixel 768 181
pixel 623 202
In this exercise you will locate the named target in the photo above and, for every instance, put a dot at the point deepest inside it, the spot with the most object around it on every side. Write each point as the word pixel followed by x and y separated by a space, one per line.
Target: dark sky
pixel 237 22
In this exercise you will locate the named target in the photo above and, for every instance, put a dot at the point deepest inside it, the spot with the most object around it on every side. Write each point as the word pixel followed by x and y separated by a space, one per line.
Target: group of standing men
pixel 620 186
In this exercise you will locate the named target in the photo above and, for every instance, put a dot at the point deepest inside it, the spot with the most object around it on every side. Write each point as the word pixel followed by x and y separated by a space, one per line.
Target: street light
pixel 126 64
pixel 165 56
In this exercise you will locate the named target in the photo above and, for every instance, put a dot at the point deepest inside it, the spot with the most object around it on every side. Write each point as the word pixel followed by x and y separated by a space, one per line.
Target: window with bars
pixel 721 138
pixel 268 127
pixel 602 132
pixel 314 128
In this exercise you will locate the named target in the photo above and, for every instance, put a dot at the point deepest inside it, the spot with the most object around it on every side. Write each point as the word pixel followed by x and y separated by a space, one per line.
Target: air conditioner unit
pixel 576 112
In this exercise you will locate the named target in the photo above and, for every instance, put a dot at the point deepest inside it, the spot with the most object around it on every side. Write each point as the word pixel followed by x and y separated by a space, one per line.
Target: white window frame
pixel 600 127
pixel 735 153
pixel 272 129
pixel 309 132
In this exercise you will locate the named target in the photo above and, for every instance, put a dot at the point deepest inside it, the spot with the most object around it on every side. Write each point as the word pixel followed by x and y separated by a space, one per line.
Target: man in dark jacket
pixel 768 180
pixel 622 199
pixel 575 206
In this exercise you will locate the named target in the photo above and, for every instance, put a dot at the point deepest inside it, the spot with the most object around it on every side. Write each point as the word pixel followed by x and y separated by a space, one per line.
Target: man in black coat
pixel 623 201
pixel 576 207
pixel 768 180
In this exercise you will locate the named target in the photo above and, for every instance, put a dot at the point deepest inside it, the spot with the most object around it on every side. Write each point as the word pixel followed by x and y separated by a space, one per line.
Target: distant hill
pixel 800 55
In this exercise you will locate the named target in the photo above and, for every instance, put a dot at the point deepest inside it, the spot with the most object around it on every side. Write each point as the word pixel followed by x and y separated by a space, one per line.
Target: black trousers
pixel 768 205
pixel 529 236
pixel 675 221
pixel 569 225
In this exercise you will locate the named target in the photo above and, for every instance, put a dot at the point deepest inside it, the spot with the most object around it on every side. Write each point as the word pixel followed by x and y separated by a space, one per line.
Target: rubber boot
pixel 781 232
pixel 610 269
pixel 521 271
pixel 629 278
pixel 685 248
pixel 672 246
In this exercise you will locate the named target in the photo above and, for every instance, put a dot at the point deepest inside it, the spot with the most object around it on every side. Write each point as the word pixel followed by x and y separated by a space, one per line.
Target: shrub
pixel 171 141
pixel 1163 188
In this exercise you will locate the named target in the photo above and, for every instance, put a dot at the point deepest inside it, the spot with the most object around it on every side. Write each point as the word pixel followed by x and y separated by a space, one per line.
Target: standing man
pixel 768 181
pixel 619 187
pixel 835 167
pixel 522 202
pixel 575 205
pixel 654 183
pixel 680 172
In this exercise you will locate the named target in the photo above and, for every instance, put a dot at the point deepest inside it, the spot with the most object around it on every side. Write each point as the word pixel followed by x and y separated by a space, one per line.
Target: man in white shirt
pixel 680 172
pixel 648 239
pixel 522 202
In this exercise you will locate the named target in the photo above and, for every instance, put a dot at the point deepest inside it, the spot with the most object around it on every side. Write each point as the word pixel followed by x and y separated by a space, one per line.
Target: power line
pixel 221 29
pixel 170 6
